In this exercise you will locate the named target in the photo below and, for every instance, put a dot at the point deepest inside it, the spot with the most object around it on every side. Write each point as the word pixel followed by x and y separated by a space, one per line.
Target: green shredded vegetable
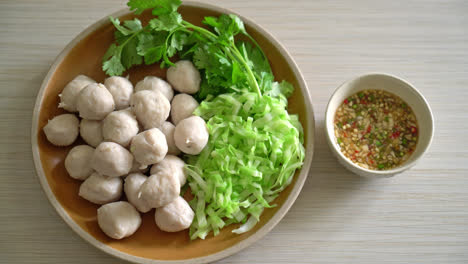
pixel 254 149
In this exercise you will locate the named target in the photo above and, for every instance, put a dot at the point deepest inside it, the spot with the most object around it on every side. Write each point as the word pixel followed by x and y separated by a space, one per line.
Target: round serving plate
pixel 149 244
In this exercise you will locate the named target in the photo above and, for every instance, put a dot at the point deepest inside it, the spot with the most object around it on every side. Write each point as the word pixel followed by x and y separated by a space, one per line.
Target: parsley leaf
pixel 111 61
pixel 265 81
pixel 166 7
pixel 179 40
pixel 119 58
pixel 222 74
pixel 133 25
pixel 167 22
pixel 226 26
pixel 160 6
pixel 113 66
pixel 113 49
pixel 283 88
pixel 120 38
pixel 146 42
pixel 151 46
pixel 206 90
pixel 125 31
pixel 130 56
pixel 218 69
pixel 254 57
pixel 201 58
pixel 154 54
pixel 237 73
pixel 149 40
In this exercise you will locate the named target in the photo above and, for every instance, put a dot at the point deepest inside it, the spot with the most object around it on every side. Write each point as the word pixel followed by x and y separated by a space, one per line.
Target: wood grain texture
pixel 420 216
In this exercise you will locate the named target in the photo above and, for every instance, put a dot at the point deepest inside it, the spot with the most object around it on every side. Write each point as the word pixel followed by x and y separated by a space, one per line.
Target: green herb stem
pixel 130 38
pixel 259 48
pixel 206 32
pixel 252 79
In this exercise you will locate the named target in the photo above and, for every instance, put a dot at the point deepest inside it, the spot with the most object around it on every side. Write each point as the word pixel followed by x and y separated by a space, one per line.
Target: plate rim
pixel 274 220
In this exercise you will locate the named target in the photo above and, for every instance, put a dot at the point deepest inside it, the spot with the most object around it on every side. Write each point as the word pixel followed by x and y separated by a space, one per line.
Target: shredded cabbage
pixel 255 147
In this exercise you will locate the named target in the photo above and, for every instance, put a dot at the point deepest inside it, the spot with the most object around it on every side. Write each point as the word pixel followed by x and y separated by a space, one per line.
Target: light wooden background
pixel 420 216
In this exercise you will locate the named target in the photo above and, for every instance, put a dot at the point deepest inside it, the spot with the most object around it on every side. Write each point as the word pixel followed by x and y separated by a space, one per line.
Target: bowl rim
pixel 267 227
pixel 377 173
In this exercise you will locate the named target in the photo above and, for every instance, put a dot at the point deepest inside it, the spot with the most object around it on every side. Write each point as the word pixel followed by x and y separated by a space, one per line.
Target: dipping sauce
pixel 376 129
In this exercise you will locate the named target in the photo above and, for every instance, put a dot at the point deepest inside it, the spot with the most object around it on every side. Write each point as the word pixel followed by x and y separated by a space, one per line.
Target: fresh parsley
pixel 226 64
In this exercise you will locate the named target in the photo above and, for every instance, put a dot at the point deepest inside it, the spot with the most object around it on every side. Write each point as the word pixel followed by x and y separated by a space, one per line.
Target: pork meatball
pixel 95 102
pixel 184 77
pixel 191 135
pixel 153 83
pixel 160 189
pixel 149 147
pixel 174 217
pixel 62 130
pixel 70 92
pixel 173 165
pixel 182 106
pixel 78 162
pixel 118 220
pixel 101 189
pixel 151 108
pixel 121 89
pixel 120 127
pixel 168 130
pixel 91 131
pixel 111 159
pixel 132 186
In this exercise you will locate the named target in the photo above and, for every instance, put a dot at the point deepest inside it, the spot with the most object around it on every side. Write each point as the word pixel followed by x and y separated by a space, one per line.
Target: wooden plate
pixel 149 244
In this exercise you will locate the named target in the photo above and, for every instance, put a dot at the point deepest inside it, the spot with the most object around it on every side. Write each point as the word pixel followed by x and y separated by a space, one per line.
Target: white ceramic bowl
pixel 394 85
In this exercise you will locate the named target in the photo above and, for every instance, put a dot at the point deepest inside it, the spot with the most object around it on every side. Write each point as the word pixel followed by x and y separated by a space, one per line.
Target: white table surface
pixel 420 216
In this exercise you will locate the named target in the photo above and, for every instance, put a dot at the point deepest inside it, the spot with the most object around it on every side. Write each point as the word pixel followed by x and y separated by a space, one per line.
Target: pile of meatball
pixel 129 134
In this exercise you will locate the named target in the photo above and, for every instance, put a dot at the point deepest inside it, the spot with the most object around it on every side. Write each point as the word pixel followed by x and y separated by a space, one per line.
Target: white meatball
pixel 151 108
pixel 62 130
pixel 149 147
pixel 171 164
pixel 168 130
pixel 120 127
pixel 154 83
pixel 78 162
pixel 91 131
pixel 111 159
pixel 132 186
pixel 121 89
pixel 94 102
pixel 191 135
pixel 182 106
pixel 184 77
pixel 160 189
pixel 70 92
pixel 101 189
pixel 175 216
pixel 118 220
